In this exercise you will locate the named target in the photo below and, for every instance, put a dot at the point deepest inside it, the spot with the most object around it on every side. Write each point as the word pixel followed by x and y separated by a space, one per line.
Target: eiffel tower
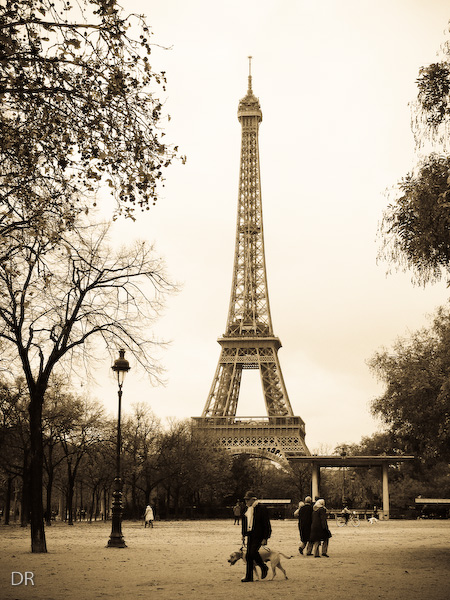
pixel 249 341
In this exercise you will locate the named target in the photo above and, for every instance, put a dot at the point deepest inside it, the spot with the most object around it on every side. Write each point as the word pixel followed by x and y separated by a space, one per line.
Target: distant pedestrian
pixel 149 516
pixel 374 518
pixel 237 512
pixel 346 514
pixel 319 528
pixel 304 514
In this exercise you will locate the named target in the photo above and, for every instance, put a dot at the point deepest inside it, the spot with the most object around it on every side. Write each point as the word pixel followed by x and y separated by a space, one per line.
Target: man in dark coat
pixel 304 525
pixel 257 529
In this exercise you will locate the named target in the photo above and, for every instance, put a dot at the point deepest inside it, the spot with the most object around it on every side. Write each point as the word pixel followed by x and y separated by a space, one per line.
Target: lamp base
pixel 116 538
pixel 116 542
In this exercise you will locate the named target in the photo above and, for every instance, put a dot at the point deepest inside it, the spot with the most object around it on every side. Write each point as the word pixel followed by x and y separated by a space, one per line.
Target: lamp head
pixel 121 366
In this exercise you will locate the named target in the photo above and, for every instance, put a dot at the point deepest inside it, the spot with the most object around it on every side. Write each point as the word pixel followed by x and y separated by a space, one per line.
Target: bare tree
pixel 57 301
pixel 192 470
pixel 98 469
pixel 59 412
pixel 77 434
pixel 141 434
pixel 14 441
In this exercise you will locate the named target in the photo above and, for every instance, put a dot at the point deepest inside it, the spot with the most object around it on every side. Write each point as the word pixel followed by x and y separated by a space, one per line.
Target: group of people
pixel 313 527
pixel 256 530
pixel 312 524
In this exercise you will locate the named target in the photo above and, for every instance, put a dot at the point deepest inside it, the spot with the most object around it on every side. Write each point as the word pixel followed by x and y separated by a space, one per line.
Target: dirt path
pixel 394 560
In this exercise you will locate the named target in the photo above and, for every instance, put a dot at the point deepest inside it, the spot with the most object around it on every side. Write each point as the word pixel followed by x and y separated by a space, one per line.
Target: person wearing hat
pixel 257 529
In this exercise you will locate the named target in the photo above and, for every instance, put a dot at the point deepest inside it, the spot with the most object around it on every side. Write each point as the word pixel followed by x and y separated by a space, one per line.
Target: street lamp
pixel 121 367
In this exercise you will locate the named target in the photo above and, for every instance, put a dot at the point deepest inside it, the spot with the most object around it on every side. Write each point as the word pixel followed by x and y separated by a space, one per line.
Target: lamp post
pixel 121 367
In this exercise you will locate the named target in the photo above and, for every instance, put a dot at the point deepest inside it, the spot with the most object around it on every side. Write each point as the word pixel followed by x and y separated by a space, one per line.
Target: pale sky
pixel 334 79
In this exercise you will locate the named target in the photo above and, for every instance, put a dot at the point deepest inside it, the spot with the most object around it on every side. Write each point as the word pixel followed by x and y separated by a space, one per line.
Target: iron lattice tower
pixel 249 341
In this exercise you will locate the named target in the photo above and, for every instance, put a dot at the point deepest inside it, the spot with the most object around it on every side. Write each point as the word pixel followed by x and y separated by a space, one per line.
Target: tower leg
pixel 224 393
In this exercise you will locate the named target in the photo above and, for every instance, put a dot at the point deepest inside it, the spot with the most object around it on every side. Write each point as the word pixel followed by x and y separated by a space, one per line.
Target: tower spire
pixel 249 92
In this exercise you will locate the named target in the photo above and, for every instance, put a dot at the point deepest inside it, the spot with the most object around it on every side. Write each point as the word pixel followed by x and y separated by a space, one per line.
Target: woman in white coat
pixel 148 517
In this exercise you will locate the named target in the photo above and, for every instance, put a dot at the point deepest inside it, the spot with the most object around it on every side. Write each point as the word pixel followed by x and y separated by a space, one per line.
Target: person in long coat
pixel 319 528
pixel 149 516
pixel 257 529
pixel 304 514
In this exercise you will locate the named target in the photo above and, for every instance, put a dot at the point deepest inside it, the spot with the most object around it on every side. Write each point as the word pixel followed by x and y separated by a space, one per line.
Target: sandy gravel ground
pixel 393 560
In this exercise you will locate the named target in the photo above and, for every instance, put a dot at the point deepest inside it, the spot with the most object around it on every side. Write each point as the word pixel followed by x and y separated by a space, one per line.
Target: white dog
pixel 268 555
pixel 373 520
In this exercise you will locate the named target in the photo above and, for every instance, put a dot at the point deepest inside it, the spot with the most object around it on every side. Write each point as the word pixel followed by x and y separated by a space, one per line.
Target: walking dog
pixel 268 555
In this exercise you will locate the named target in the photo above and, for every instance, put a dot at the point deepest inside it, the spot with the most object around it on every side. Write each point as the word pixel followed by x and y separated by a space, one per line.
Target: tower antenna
pixel 250 73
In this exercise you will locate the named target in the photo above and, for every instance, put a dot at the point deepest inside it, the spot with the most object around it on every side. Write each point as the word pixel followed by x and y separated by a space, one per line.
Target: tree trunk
pixel 48 510
pixel 105 504
pixel 92 505
pixel 24 514
pixel 38 543
pixel 69 497
pixel 134 507
pixel 8 501
pixel 81 501
pixel 176 499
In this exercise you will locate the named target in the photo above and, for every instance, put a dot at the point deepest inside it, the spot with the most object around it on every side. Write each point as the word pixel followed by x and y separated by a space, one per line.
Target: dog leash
pixel 244 545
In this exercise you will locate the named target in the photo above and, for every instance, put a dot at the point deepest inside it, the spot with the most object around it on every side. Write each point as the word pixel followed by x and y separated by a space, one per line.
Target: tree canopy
pixel 415 229
pixel 415 405
pixel 417 226
pixel 433 96
pixel 80 110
